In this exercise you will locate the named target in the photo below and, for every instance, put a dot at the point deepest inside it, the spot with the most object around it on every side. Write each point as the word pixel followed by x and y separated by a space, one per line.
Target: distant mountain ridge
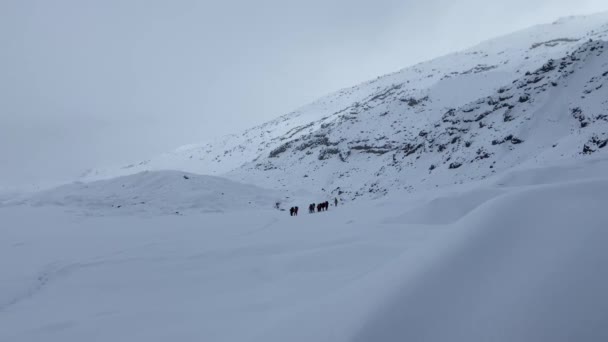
pixel 534 96
pixel 154 192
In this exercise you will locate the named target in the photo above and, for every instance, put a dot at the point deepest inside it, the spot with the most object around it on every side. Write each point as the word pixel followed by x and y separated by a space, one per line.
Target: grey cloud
pixel 91 83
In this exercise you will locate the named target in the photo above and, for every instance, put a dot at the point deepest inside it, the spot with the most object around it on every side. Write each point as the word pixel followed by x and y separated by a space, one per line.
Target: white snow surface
pixel 516 257
pixel 472 207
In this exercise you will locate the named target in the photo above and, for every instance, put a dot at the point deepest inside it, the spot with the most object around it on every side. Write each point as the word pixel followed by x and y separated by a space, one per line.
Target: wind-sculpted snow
pixel 529 267
pixel 534 96
pixel 450 213
pixel 525 264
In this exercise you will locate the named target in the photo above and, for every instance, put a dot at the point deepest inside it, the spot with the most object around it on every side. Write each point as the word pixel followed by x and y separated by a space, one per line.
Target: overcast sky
pixel 106 82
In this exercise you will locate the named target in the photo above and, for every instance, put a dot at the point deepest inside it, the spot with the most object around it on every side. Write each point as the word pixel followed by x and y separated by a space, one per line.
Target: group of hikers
pixel 293 211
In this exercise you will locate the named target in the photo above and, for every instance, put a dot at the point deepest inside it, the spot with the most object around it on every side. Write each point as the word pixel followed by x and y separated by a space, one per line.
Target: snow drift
pixel 525 265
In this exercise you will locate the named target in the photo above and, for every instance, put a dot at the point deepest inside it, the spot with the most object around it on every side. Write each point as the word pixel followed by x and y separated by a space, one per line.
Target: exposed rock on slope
pixel 553 111
pixel 529 97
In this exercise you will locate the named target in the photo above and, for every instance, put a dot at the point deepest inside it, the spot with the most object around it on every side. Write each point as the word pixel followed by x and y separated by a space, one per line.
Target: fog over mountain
pixel 93 83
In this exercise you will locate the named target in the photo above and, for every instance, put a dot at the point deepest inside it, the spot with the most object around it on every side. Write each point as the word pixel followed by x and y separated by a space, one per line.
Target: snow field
pixel 509 258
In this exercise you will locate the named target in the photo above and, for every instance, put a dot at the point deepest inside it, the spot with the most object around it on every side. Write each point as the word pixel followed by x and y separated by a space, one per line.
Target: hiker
pixel 295 211
pixel 311 208
pixel 336 202
pixel 319 207
pixel 291 211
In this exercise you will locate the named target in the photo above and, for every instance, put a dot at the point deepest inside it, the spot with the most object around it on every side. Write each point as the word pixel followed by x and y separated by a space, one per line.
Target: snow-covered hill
pixel 529 97
pixel 156 192
pixel 516 257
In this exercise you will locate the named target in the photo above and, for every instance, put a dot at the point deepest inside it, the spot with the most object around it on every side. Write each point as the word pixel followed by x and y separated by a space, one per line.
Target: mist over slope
pixel 529 97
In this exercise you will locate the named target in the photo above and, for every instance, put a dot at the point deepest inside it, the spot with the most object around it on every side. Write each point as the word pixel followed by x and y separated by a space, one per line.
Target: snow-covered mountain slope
pixel 559 110
pixel 155 192
pixel 529 97
pixel 516 257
